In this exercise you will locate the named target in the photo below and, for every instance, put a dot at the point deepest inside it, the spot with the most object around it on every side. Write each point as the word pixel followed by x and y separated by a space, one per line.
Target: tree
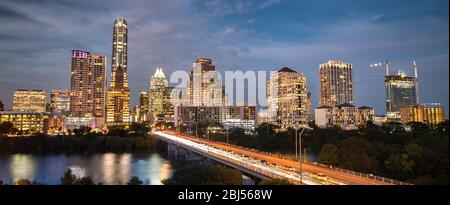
pixel 356 154
pixel 68 178
pixel 204 174
pixel 117 130
pixel 82 131
pixel 135 181
pixel 275 182
pixel 140 129
pixel 399 166
pixel 85 181
pixel 6 128
pixel 329 154
pixel 22 181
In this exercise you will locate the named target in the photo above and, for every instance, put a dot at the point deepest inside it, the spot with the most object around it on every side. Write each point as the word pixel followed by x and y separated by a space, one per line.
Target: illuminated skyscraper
pixel 118 106
pixel 400 93
pixel 160 106
pixel 88 84
pixel 205 88
pixel 336 83
pixel 288 99
pixel 143 106
pixel 29 100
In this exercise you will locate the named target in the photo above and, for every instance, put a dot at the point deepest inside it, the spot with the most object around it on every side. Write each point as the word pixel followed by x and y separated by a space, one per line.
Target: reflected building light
pixel 108 168
pixel 22 166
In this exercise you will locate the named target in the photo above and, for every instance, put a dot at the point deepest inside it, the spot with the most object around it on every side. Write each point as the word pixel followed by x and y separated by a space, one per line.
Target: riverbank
pixel 44 144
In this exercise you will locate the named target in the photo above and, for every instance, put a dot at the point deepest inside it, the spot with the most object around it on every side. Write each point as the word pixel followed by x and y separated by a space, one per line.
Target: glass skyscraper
pixel 118 106
pixel 400 93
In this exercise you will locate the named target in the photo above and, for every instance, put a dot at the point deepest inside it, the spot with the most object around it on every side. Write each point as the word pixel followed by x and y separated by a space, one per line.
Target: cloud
pixel 37 36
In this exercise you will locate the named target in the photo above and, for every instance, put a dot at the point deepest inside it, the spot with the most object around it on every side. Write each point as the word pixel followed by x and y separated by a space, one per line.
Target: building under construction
pixel 401 92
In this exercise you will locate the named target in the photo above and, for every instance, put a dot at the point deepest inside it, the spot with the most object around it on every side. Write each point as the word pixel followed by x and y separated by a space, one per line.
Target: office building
pixel 60 101
pixel 243 116
pixel 288 99
pixel 431 114
pixel 205 87
pixel 336 83
pixel 346 116
pixel 29 100
pixel 144 104
pixel 26 122
pixel 400 93
pixel 118 103
pixel 88 84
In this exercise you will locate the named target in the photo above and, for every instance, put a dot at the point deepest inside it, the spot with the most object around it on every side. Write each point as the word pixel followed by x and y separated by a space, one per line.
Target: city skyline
pixel 430 49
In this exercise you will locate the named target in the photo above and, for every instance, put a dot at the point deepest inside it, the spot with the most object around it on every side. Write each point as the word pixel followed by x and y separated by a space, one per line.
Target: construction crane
pixel 385 63
pixel 416 81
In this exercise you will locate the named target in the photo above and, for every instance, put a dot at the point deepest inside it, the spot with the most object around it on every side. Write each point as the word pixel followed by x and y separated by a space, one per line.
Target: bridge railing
pixel 365 175
pixel 239 164
pixel 355 173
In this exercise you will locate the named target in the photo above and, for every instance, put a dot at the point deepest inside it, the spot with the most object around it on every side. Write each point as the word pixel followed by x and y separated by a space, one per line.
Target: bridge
pixel 268 166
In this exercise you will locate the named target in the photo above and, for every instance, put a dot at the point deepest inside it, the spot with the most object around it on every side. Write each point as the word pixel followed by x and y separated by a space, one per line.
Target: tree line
pixel 418 156
pixel 81 140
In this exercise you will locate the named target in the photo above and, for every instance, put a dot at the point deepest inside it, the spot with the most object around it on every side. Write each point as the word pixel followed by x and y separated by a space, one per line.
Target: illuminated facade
pixel 60 101
pixel 244 117
pixel 118 103
pixel 364 115
pixel 160 105
pixel 88 84
pixel 288 99
pixel 193 116
pixel 205 87
pixel 143 106
pixel 400 92
pixel 431 114
pixel 26 122
pixel 336 83
pixel 346 116
pixel 29 100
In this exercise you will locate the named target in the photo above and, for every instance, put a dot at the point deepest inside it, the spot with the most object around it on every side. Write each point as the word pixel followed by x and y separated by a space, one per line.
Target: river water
pixel 108 168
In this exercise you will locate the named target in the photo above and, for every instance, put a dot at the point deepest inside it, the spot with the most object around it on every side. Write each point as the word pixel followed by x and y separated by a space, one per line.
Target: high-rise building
pixel 400 92
pixel 205 87
pixel 160 104
pixel 60 101
pixel 118 106
pixel 288 99
pixel 2 106
pixel 29 100
pixel 143 106
pixel 431 114
pixel 336 83
pixel 98 74
pixel 88 84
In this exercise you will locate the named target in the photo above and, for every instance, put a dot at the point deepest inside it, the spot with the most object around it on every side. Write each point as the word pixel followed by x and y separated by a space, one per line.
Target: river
pixel 107 168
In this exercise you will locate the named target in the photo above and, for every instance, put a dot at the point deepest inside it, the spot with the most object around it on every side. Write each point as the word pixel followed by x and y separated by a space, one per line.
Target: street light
pixel 300 150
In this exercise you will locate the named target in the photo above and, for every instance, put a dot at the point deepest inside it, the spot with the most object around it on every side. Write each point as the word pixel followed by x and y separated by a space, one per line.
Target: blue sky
pixel 36 38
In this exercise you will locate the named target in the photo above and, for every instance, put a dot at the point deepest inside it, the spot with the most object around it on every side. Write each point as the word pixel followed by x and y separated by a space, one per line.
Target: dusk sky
pixel 36 38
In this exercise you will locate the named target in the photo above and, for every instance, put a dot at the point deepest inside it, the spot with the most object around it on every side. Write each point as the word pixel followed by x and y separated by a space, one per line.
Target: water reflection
pixel 107 168
pixel 22 166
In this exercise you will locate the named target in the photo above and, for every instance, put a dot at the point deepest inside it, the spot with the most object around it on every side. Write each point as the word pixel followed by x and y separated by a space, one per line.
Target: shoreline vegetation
pixel 418 156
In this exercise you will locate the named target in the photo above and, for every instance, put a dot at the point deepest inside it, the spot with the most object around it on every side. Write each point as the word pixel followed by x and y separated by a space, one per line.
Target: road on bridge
pixel 343 177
